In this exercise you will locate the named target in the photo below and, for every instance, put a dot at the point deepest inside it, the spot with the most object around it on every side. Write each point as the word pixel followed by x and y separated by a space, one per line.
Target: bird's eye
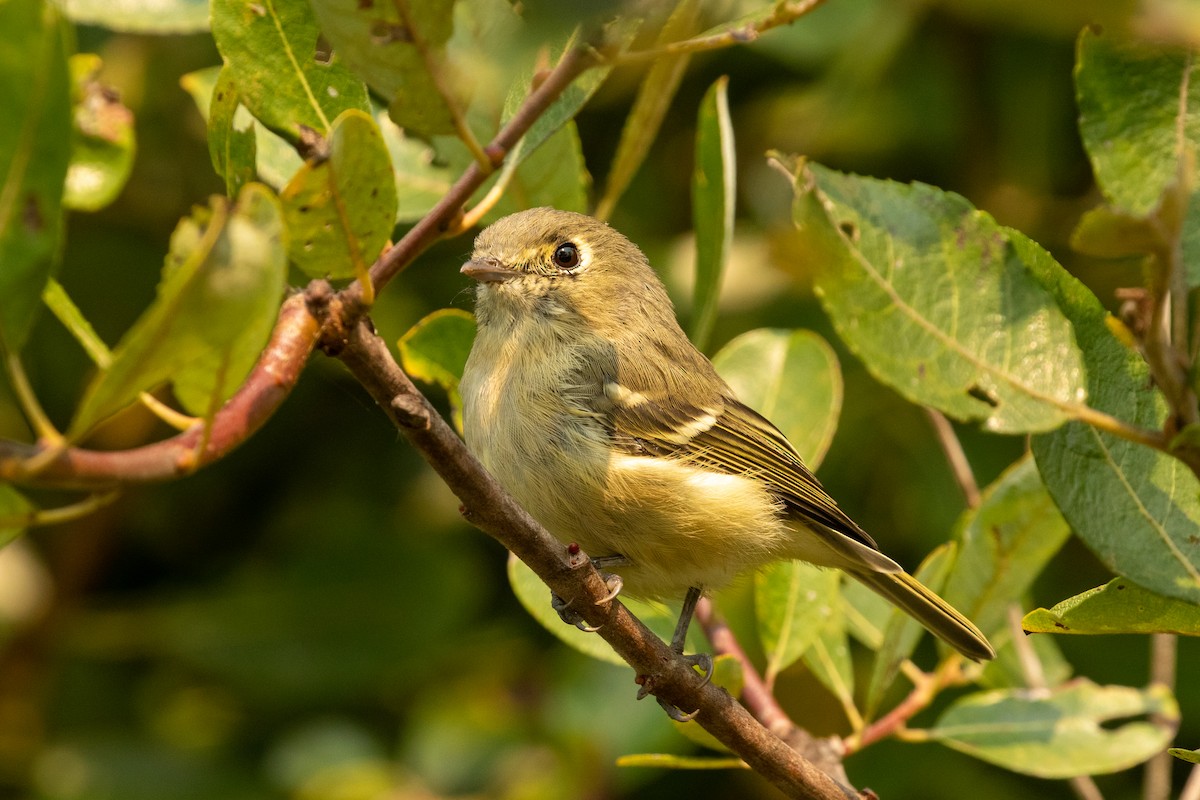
pixel 566 256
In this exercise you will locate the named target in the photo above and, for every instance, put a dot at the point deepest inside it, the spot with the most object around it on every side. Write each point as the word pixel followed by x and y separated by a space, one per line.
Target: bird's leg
pixel 611 580
pixel 678 639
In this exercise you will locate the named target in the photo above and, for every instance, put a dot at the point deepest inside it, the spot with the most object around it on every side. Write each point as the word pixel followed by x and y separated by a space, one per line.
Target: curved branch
pixel 264 390
pixel 490 508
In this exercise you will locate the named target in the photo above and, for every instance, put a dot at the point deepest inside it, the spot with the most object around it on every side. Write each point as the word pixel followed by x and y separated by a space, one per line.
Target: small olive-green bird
pixel 587 402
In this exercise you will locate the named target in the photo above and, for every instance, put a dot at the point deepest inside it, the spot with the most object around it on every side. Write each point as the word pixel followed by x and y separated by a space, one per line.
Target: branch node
pixel 410 412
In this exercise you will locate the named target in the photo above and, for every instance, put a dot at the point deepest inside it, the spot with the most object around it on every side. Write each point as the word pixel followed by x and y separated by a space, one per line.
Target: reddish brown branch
pixel 264 390
pixel 491 509
pixel 761 703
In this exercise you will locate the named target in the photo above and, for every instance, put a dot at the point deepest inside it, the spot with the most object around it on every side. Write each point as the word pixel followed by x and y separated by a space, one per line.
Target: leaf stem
pixel 437 72
pixel 1156 783
pixel 43 428
pixel 57 516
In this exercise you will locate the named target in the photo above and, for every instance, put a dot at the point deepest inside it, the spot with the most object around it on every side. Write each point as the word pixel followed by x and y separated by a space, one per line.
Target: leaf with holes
pixel 103 146
pixel 271 48
pixel 938 300
pixel 1077 729
pixel 232 140
pixel 1138 509
pixel 1119 606
pixel 34 149
pixel 340 209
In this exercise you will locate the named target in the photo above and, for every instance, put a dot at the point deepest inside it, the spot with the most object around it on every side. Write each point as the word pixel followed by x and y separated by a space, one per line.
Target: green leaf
pixel 13 506
pixel 232 142
pixel 1006 671
pixel 1139 117
pixel 1119 606
pixel 140 16
pixel 271 48
pixel 671 761
pixel 655 93
pixel 866 613
pixel 420 183
pixel 60 304
pixel 902 632
pixel 340 208
pixel 553 175
pixel 1138 509
pixel 790 377
pixel 1191 756
pixel 938 300
pixel 714 195
pixel 35 145
pixel 535 597
pixel 435 350
pixel 1005 544
pixel 828 658
pixel 793 603
pixel 218 296
pixel 103 144
pixel 383 43
pixel 1077 729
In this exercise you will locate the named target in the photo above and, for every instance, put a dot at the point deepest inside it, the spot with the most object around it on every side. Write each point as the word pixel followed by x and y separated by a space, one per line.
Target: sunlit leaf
pixel 340 207
pixel 35 145
pixel 793 603
pixel 271 48
pixel 399 49
pixel 1119 606
pixel 219 293
pixel 714 194
pixel 1191 756
pixel 1077 729
pixel 1138 509
pixel 671 761
pixel 1005 544
pixel 938 300
pixel 140 16
pixel 420 182
pixel 790 377
pixel 232 141
pixel 866 613
pixel 828 658
pixel 435 350
pixel 57 300
pixel 102 148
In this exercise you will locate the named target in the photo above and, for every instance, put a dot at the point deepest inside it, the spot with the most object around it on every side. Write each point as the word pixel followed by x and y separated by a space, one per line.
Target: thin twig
pixel 953 449
pixel 486 505
pixel 1156 782
pixel 1035 678
pixel 43 428
pixel 60 514
pixel 1191 789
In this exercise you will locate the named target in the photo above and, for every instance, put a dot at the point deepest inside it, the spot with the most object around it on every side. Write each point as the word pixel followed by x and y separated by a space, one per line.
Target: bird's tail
pixel 938 616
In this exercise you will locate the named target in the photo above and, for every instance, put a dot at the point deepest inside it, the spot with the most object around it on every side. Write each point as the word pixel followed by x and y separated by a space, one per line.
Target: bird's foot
pixel 704 662
pixel 611 580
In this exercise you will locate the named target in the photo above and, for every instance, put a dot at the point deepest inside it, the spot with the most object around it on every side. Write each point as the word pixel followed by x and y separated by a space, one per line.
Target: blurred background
pixel 311 619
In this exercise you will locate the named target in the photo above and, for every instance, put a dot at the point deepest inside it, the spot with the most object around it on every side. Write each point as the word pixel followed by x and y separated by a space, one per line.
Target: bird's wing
pixel 727 436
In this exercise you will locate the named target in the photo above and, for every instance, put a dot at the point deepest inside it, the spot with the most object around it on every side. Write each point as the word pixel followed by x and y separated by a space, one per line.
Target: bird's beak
pixel 487 271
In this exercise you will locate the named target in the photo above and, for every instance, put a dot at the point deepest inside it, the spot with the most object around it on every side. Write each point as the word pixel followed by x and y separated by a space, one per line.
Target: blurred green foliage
pixel 311 619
